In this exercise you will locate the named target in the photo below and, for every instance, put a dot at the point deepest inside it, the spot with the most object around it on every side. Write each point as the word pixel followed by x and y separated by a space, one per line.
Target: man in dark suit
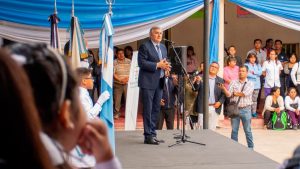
pixel 152 62
pixel 167 103
pixel 216 96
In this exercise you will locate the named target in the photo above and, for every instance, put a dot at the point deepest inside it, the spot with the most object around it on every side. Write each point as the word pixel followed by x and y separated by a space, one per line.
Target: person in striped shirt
pixel 243 89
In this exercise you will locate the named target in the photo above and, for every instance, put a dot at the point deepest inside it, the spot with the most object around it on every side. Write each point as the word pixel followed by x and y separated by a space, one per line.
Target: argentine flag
pixel 106 55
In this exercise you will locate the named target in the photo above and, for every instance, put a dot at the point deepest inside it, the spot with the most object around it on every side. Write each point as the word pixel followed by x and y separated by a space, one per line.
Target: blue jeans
pixel 245 116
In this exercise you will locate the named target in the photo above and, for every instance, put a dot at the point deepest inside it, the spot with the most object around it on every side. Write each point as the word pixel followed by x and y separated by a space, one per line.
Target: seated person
pixel 20 144
pixel 274 104
pixel 64 122
pixel 292 104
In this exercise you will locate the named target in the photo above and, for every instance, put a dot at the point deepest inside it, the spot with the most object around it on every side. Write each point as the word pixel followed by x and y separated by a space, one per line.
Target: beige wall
pixel 242 31
pixel 238 31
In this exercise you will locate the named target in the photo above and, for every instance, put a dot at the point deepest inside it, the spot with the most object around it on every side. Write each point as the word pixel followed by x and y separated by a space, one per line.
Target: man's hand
pixel 162 102
pixel 197 79
pixel 217 105
pixel 163 64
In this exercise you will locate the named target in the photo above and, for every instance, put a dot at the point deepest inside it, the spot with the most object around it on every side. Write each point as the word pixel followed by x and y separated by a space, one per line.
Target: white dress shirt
pixel 57 156
pixel 272 70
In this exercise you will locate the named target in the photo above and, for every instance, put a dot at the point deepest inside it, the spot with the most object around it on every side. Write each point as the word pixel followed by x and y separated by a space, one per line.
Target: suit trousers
pixel 151 107
pixel 119 91
pixel 168 115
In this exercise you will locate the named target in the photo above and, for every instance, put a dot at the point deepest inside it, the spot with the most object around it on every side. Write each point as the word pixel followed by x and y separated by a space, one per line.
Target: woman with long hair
pixel 64 123
pixel 20 143
pixel 287 69
pixel 274 104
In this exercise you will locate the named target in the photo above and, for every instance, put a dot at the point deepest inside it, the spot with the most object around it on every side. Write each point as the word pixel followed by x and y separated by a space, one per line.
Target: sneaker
pixel 295 127
pixel 254 115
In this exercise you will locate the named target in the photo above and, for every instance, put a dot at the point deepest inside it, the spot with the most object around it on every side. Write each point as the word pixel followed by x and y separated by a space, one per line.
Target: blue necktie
pixel 160 58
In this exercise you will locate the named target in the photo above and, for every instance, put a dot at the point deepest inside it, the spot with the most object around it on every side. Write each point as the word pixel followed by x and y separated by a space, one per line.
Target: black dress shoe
pixel 151 141
pixel 160 141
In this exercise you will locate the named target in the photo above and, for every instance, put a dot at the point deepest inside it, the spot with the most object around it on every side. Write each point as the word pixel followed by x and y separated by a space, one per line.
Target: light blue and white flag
pixel 106 56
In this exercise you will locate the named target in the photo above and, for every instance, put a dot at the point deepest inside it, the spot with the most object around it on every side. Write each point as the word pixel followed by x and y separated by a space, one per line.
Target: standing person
pixel 254 74
pixel 85 84
pixel 287 69
pixel 231 71
pixel 231 52
pixel 292 105
pixel 295 75
pixel 271 70
pixel 269 46
pixel 243 89
pixel 167 103
pixel 216 97
pixel 128 51
pixel 121 77
pixel 96 74
pixel 191 60
pixel 282 57
pixel 260 53
pixel 20 127
pixel 152 62
pixel 273 104
pixel 64 122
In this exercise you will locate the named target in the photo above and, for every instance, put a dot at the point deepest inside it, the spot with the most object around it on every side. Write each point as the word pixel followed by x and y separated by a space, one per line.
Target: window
pixel 291 48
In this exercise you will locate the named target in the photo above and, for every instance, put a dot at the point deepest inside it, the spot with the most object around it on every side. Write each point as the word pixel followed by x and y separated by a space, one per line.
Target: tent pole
pixel 206 63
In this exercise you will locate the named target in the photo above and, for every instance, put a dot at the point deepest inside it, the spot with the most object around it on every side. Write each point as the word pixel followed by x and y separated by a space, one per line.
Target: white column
pixel 221 45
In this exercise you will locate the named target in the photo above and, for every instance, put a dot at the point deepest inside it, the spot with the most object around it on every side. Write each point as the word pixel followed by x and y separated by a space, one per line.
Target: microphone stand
pixel 183 137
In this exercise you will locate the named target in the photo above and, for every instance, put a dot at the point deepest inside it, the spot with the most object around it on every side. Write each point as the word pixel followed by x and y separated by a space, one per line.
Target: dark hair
pixel 244 66
pixel 45 74
pixel 250 55
pixel 82 71
pixel 231 46
pixel 119 49
pixel 20 143
pixel 214 62
pixel 274 89
pixel 230 59
pixel 291 88
pixel 277 40
pixel 191 48
pixel 294 54
pixel 128 48
pixel 255 40
pixel 66 48
pixel 269 40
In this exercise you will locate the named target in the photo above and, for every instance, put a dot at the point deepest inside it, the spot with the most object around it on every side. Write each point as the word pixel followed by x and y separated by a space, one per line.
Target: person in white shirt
pixel 79 159
pixel 63 120
pixel 295 75
pixel 271 70
pixel 292 105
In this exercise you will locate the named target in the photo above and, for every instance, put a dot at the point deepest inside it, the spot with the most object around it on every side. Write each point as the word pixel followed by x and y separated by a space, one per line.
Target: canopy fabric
pixel 288 9
pixel 123 34
pixel 91 12
pixel 214 33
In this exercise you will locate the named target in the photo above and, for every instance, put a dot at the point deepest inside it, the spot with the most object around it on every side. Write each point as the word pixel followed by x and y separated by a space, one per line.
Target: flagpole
pixel 72 7
pixel 55 10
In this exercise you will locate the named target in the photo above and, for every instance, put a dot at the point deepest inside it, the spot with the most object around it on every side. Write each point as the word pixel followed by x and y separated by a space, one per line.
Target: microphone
pixel 168 41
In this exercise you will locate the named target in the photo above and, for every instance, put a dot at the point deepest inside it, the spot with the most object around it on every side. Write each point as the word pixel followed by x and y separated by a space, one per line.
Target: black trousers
pixel 267 117
pixel 168 115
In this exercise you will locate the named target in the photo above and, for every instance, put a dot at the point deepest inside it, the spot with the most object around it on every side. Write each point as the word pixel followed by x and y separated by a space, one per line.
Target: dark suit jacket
pixel 149 76
pixel 219 95
pixel 169 101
